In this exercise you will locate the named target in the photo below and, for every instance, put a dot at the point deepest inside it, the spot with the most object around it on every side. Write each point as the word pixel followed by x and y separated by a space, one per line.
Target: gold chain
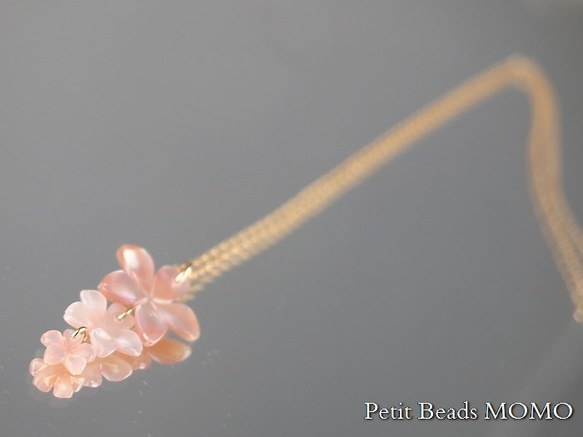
pixel 557 222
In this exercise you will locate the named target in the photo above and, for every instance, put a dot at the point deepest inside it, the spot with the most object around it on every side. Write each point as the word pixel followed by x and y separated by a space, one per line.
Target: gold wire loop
pixel 185 271
pixel 80 331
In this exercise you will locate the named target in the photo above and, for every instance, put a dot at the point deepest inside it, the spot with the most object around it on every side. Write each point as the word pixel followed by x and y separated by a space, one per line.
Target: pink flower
pixel 56 377
pixel 66 350
pixel 152 296
pixel 107 333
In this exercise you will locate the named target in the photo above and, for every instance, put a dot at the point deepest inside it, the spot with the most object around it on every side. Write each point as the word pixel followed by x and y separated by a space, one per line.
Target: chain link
pixel 557 222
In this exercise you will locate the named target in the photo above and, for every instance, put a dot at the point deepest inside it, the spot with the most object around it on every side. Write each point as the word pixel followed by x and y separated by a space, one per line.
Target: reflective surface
pixel 174 125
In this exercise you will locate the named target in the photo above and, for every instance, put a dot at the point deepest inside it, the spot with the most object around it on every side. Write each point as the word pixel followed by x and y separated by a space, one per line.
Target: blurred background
pixel 174 124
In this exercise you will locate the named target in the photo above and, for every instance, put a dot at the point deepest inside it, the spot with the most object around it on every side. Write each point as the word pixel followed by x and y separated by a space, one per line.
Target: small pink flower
pixel 56 377
pixel 71 352
pixel 152 296
pixel 107 333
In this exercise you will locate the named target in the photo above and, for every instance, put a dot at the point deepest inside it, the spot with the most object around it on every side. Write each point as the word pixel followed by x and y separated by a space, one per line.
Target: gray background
pixel 174 124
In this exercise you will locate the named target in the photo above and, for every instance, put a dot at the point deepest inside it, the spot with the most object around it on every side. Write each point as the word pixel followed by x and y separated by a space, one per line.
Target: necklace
pixel 111 341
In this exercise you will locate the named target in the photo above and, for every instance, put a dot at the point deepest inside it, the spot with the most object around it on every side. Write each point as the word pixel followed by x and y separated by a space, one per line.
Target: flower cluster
pixel 112 341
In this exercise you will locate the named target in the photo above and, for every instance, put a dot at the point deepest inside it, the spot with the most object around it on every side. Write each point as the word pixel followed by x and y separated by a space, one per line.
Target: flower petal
pixel 102 342
pixel 63 389
pixel 181 320
pixel 36 366
pixel 169 351
pixel 95 301
pixel 52 337
pixel 66 386
pixel 128 342
pixel 84 350
pixel 75 364
pixel 54 354
pixel 119 287
pixel 77 315
pixel 44 380
pixel 92 375
pixel 113 368
pixel 166 288
pixel 77 383
pixel 137 263
pixel 149 324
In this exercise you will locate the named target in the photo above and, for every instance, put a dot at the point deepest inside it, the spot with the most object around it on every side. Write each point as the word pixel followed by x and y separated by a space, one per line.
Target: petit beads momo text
pixel 488 411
